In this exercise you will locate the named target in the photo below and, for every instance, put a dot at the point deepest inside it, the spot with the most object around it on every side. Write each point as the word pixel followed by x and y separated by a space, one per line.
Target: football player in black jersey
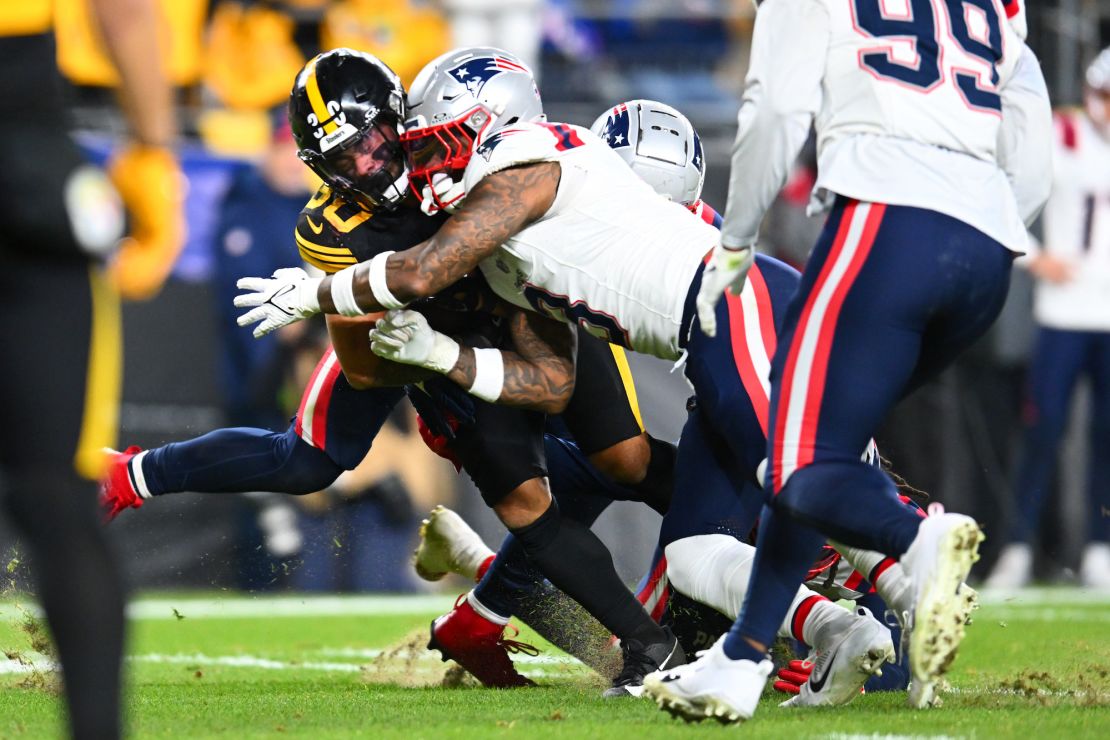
pixel 344 109
pixel 59 369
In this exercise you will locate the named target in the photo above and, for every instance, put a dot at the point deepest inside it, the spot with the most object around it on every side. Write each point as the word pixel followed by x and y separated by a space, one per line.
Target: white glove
pixel 727 269
pixel 288 296
pixel 405 336
pixel 447 191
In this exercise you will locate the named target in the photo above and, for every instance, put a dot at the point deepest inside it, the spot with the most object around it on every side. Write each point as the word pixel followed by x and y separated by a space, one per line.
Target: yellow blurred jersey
pixel 81 54
pixel 25 17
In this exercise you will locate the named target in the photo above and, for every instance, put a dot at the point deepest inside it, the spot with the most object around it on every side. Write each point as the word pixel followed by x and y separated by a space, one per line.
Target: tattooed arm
pixel 539 375
pixel 536 373
pixel 499 206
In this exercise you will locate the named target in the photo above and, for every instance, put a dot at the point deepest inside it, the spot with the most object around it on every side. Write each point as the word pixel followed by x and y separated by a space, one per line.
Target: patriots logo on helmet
pixel 616 128
pixel 475 73
pixel 699 163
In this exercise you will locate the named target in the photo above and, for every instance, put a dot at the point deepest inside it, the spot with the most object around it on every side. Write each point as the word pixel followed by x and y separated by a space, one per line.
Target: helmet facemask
pixel 369 168
pixel 442 151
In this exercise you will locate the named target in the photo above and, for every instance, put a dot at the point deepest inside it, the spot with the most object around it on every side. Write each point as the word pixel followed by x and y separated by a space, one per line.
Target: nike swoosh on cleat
pixel 816 683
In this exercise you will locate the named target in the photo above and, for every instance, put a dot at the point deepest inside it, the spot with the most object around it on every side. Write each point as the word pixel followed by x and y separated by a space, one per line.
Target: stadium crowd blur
pixel 233 62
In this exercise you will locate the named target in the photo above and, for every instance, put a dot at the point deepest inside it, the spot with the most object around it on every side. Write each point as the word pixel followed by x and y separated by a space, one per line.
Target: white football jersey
pixel 906 97
pixel 1077 229
pixel 611 254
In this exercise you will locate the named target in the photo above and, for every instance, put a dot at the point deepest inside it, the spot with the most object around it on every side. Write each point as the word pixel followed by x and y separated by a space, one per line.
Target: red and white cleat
pixel 117 490
pixel 479 645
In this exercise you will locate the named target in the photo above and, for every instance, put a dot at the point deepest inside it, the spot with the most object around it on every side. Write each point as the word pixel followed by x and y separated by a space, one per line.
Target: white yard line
pixel 1033 603
pixel 430 661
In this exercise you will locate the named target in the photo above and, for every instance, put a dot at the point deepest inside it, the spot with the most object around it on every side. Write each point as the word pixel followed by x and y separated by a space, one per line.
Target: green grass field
pixel 1036 665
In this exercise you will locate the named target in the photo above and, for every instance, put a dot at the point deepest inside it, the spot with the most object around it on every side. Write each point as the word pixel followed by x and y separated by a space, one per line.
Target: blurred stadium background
pixel 189 369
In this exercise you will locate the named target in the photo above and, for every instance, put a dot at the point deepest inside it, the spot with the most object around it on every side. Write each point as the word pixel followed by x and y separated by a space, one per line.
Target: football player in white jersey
pixel 919 111
pixel 560 226
pixel 1072 310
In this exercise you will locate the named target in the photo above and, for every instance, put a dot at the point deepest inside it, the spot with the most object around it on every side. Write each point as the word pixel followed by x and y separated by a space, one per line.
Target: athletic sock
pixel 785 551
pixel 483 567
pixel 801 611
pixel 882 572
pixel 236 461
pixel 484 611
pixel 577 563
pixel 656 488
pixel 509 580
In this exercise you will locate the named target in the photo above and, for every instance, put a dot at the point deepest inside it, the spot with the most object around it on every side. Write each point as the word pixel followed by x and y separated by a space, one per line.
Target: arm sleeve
pixel 781 98
pixel 1026 135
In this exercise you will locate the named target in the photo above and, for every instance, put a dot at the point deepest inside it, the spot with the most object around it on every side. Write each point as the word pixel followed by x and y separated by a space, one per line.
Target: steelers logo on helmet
pixel 346 110
pixel 456 102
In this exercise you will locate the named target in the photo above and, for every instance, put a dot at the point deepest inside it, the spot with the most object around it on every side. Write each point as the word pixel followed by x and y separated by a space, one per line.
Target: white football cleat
pixel 1013 569
pixel 1094 569
pixel 853 655
pixel 448 545
pixel 712 687
pixel 938 561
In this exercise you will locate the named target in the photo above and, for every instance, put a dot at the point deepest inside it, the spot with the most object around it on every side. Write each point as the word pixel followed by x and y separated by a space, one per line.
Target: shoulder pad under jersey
pixel 333 233
pixel 520 143
pixel 320 230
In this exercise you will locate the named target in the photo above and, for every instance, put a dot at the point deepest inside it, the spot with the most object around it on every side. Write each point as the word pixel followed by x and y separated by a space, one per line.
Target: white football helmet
pixel 659 144
pixel 456 101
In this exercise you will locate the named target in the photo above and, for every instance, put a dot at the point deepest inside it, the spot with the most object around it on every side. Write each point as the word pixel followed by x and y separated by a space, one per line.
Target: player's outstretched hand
pixel 791 678
pixel 405 336
pixel 728 268
pixel 288 295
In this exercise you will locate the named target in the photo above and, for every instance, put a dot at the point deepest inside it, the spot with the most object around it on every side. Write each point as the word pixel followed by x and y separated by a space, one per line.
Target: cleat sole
pixel 940 617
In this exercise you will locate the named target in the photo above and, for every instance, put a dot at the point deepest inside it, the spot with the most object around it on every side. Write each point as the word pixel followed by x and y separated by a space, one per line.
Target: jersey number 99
pixel 972 25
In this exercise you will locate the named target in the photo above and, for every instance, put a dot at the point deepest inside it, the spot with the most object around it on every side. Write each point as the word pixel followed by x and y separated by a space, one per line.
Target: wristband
pixel 343 292
pixel 378 287
pixel 489 375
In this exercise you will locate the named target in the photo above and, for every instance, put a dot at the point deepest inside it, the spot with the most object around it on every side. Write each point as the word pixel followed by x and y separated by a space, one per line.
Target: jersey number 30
pixel 973 25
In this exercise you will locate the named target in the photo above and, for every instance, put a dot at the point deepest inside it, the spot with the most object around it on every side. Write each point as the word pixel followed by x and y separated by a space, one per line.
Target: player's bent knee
pixel 305 469
pixel 524 504
pixel 703 566
pixel 625 462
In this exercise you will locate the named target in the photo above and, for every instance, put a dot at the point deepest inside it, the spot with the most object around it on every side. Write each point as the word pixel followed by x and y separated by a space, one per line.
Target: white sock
pixel 484 611
pixel 135 467
pixel 890 581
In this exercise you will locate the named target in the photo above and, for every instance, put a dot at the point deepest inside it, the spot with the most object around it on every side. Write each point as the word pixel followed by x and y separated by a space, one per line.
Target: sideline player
pixel 501 449
pixel 1072 311
pixel 61 359
pixel 907 273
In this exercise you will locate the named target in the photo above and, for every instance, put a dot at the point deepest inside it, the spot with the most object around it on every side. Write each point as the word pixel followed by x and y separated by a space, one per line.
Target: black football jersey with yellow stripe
pixel 333 233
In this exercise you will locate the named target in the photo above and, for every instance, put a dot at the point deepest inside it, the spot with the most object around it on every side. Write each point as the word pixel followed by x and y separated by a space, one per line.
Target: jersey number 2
pixel 974 25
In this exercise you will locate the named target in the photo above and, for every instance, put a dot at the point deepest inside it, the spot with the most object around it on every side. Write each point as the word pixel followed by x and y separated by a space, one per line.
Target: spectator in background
pixel 256 228
pixel 406 34
pixel 513 25
pixel 358 533
pixel 255 49
pixel 1072 310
